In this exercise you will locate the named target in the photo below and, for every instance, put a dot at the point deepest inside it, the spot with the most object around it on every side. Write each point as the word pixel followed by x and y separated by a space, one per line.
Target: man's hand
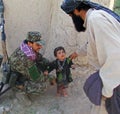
pixel 73 55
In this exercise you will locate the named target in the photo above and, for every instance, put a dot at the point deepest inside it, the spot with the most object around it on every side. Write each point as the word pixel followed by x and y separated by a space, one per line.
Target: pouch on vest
pixel 13 79
pixel 34 73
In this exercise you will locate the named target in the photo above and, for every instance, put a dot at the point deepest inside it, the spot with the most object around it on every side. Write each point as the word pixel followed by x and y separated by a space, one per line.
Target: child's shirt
pixel 63 73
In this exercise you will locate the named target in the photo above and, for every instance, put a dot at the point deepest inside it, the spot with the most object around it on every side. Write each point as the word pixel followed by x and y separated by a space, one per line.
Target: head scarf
pixel 28 51
pixel 69 6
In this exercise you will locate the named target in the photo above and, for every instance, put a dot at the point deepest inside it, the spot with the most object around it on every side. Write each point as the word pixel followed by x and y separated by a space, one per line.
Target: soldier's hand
pixel 45 73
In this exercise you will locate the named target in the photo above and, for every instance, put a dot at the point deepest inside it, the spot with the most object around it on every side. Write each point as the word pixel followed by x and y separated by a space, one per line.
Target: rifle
pixel 5 78
pixel 4 60
pixel 3 35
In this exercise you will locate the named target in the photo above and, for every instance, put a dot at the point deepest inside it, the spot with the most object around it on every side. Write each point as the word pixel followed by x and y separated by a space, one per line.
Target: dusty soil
pixel 49 103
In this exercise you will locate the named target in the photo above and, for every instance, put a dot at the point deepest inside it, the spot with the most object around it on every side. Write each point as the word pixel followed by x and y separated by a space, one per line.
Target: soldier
pixel 27 65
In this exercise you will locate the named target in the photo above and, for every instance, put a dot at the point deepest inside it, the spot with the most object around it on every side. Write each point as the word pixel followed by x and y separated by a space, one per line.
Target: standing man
pixel 103 29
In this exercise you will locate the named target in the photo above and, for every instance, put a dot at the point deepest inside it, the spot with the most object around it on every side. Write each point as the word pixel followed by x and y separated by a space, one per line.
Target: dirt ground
pixel 48 103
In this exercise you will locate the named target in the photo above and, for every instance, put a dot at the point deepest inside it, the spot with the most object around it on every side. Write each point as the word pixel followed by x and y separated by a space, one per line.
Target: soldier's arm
pixel 42 63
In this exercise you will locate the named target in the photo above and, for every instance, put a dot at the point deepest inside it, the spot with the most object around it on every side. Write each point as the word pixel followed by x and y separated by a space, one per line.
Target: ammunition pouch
pixel 35 74
pixel 13 79
pixel 10 77
pixel 16 78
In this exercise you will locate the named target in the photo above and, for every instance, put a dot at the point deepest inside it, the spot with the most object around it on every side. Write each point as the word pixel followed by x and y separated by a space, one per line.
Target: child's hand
pixel 73 66
pixel 45 73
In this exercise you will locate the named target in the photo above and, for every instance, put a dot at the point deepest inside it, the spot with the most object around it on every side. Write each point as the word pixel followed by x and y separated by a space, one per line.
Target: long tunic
pixel 104 47
pixel 103 50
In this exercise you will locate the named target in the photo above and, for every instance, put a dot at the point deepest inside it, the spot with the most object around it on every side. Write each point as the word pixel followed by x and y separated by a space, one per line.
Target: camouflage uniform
pixel 21 64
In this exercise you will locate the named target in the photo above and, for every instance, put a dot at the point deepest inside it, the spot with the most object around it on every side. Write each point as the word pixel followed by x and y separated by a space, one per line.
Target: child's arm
pixel 71 64
pixel 51 66
pixel 42 62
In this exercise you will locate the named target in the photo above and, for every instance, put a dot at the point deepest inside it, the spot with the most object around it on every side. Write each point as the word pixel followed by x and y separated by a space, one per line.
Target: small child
pixel 62 64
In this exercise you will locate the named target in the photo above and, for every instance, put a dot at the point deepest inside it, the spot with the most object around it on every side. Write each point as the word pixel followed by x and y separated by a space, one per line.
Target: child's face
pixel 61 55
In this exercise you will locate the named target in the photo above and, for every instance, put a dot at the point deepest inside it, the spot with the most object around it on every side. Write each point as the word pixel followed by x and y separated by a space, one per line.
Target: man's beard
pixel 78 23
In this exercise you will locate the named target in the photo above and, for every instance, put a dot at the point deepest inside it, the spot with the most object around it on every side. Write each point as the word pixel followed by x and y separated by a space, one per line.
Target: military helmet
pixel 35 37
pixel 69 5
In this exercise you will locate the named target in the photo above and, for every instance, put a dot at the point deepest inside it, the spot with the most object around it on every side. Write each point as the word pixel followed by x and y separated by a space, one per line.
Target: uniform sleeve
pixel 104 38
pixel 42 62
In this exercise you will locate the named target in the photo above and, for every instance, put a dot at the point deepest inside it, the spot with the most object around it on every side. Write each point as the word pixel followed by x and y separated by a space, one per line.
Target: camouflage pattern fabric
pixel 35 37
pixel 20 63
pixel 38 87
